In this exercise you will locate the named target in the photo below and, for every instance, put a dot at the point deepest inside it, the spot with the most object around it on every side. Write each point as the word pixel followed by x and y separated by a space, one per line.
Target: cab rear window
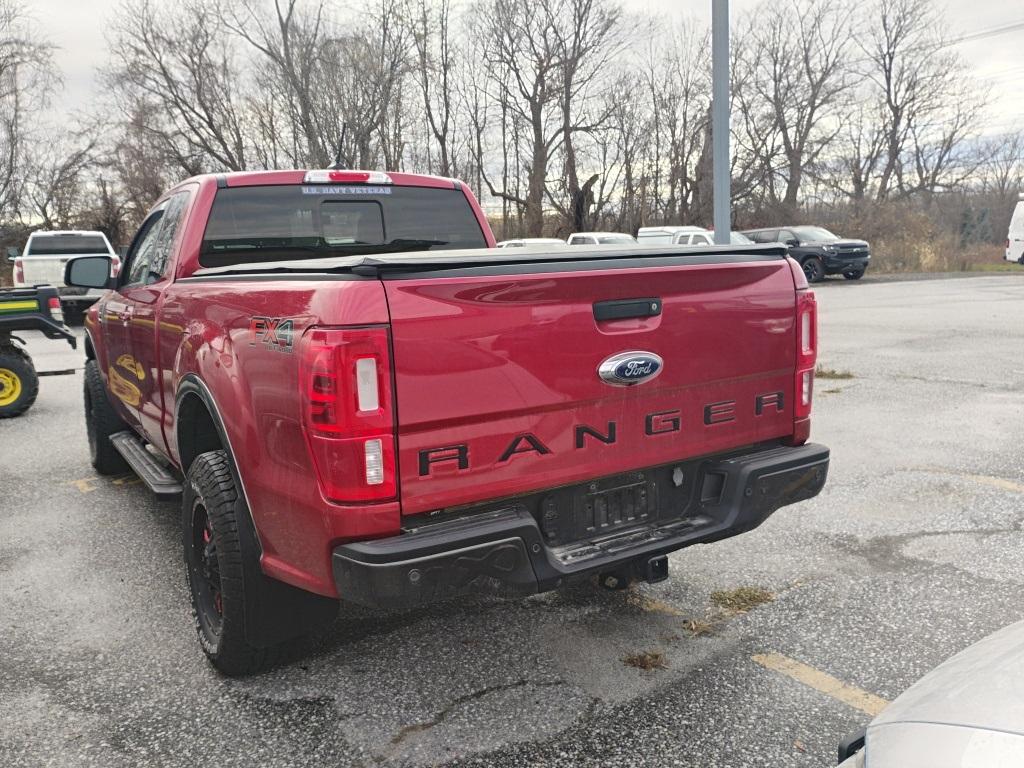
pixel 63 245
pixel 280 223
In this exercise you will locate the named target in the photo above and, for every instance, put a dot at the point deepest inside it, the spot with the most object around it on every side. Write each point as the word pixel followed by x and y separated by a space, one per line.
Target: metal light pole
pixel 720 119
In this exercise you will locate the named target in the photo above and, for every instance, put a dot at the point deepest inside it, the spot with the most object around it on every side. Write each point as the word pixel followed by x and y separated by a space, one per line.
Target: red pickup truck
pixel 359 398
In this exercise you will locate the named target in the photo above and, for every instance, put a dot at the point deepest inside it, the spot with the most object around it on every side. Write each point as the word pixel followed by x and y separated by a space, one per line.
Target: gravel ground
pixel 911 553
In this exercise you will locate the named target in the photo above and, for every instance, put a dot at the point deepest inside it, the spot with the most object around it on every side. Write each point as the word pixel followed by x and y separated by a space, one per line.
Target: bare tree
pixel 337 88
pixel 27 80
pixel 1003 171
pixel 182 62
pixel 588 38
pixel 541 105
pixel 677 88
pixel 54 193
pixel 796 53
pixel 138 169
pixel 927 102
pixel 519 48
pixel 361 78
pixel 544 60
pixel 292 40
pixel 436 58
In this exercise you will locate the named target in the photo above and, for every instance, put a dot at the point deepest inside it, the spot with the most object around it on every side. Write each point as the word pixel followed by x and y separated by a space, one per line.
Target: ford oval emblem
pixel 628 368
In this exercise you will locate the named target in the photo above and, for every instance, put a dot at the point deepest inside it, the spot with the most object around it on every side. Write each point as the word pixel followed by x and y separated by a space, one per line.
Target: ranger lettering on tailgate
pixel 655 424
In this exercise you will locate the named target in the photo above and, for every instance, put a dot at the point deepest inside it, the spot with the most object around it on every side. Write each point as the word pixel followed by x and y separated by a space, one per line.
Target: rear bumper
pixel 503 552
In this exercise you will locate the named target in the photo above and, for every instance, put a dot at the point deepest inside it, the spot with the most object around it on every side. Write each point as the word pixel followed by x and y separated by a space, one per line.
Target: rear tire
pixel 102 421
pixel 19 383
pixel 215 562
pixel 814 269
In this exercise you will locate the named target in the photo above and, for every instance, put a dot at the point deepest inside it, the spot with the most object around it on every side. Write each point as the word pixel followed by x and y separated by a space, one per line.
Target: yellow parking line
pixel 823 682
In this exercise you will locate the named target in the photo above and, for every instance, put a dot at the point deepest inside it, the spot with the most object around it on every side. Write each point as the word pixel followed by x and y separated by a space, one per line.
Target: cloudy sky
pixel 77 27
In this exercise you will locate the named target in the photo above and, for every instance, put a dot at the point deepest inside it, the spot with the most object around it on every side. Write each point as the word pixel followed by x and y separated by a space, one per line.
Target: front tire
pixel 215 561
pixel 854 275
pixel 814 269
pixel 19 383
pixel 101 421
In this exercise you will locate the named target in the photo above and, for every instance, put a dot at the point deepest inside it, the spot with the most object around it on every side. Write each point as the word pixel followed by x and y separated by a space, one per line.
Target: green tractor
pixel 23 309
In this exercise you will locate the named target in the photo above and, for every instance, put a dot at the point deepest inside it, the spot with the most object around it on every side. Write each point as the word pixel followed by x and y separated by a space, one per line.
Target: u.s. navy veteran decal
pixel 346 190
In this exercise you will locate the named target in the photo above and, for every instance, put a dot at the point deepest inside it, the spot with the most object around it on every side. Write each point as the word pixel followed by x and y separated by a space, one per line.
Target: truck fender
pixel 274 611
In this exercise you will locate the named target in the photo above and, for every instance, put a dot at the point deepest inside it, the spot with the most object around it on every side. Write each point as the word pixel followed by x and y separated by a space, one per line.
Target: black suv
pixel 819 252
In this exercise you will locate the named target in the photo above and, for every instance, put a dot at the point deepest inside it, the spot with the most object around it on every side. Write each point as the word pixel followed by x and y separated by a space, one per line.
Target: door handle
pixel 623 309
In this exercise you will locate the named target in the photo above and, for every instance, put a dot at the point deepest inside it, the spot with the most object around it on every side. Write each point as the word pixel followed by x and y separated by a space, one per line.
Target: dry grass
pixel 998 266
pixel 741 599
pixel 822 372
pixel 698 627
pixel 646 660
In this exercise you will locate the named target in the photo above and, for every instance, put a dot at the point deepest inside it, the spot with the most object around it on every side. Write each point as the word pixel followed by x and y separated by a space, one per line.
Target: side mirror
pixel 12 253
pixel 88 272
pixel 793 243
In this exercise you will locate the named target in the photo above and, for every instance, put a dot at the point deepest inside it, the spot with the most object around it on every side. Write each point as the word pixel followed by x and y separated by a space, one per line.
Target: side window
pixel 140 253
pixel 576 240
pixel 700 240
pixel 766 236
pixel 164 238
pixel 785 236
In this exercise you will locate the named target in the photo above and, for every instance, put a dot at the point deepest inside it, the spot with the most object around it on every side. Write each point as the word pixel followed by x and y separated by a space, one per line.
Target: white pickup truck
pixel 42 262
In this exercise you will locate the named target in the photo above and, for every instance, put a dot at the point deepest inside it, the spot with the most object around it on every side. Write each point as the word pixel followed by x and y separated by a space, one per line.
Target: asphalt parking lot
pixel 912 552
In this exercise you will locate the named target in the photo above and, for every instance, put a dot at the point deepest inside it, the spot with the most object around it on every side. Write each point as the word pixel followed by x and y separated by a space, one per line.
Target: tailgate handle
pixel 622 309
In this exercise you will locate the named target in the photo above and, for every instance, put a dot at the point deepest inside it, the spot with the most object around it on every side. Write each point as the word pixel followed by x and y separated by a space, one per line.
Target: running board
pixel 154 474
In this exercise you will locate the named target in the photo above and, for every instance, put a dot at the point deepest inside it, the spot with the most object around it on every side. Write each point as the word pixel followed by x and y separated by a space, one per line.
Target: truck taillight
pixel 19 271
pixel 115 266
pixel 55 309
pixel 349 412
pixel 806 357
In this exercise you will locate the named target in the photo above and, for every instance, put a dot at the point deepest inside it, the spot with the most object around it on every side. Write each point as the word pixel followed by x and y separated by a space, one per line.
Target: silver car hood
pixel 981 687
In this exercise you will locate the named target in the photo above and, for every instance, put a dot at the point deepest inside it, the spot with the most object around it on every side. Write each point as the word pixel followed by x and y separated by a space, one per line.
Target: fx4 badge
pixel 272 332
pixel 628 368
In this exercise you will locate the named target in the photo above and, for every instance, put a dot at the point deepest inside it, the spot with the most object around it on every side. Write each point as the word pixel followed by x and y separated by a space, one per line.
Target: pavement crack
pixel 454 704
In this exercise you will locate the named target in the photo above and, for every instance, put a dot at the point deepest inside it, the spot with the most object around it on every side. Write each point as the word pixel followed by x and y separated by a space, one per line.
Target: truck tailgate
pixel 497 385
pixel 44 269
